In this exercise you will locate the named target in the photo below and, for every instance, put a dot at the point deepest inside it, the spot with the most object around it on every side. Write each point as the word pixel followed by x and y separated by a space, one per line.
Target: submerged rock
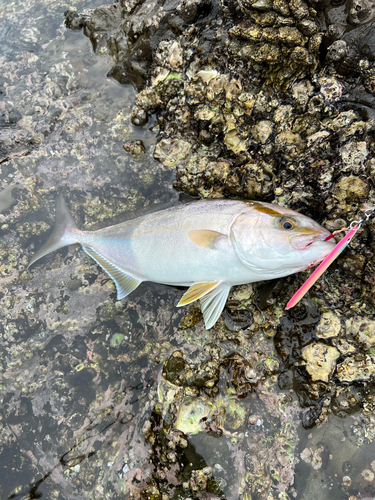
pixel 192 414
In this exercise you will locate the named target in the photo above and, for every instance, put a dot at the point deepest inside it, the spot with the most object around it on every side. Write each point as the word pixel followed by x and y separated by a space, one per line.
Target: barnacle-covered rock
pixel 189 10
pixel 328 326
pixel 313 457
pixel 135 148
pixel 235 414
pixel 284 40
pixel 360 11
pixel 262 131
pixel 171 152
pixel 361 331
pixel 344 57
pixel 192 414
pixel 357 367
pixel 320 360
pixel 169 55
pixel 331 88
pixel 351 188
pixel 233 142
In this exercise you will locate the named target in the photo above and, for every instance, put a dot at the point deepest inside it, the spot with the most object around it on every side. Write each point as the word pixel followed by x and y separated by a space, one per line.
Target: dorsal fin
pixel 196 291
pixel 125 283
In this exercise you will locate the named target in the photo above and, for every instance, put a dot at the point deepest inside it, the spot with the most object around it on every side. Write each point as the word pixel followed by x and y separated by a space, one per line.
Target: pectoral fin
pixel 205 238
pixel 196 291
pixel 125 283
pixel 213 303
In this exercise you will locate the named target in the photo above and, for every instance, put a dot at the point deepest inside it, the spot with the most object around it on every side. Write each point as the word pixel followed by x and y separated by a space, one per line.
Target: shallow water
pixel 86 405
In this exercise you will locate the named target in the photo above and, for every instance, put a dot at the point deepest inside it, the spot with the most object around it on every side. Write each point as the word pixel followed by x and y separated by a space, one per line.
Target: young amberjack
pixel 207 245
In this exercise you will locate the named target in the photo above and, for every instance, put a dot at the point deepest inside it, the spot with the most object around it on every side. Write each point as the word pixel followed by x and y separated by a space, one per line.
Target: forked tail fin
pixel 64 233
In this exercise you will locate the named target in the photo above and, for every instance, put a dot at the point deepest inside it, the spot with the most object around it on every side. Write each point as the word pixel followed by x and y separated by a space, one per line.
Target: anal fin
pixel 196 291
pixel 213 303
pixel 125 283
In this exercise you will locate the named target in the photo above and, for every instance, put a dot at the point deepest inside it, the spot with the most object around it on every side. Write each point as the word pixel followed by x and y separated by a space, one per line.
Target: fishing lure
pixel 340 247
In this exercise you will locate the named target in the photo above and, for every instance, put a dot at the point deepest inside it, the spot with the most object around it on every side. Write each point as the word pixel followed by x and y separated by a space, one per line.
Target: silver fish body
pixel 207 245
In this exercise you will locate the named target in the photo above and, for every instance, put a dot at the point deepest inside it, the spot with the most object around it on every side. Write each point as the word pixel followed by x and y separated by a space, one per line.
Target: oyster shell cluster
pixel 281 38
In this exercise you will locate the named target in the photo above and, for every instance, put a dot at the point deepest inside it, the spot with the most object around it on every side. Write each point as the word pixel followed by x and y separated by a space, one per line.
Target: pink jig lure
pixel 322 267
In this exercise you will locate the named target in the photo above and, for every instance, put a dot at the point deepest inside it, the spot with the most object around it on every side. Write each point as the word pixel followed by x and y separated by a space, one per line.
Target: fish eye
pixel 287 223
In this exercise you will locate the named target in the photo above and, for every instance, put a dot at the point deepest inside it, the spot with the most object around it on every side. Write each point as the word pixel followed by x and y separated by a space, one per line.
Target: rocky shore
pixel 262 100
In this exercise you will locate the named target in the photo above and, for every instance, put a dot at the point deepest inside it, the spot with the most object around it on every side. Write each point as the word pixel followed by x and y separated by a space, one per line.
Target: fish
pixel 206 245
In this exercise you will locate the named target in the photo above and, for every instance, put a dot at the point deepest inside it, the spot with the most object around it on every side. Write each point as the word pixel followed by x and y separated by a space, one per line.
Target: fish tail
pixel 65 232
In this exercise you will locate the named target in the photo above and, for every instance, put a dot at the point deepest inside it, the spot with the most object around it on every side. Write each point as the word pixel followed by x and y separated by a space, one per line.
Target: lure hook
pixel 327 261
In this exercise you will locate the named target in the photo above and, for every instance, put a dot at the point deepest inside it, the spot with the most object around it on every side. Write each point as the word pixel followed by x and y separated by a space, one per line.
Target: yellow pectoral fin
pixel 204 237
pixel 196 291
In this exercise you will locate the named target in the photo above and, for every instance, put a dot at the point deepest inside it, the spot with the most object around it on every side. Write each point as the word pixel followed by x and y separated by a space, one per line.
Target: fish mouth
pixel 304 241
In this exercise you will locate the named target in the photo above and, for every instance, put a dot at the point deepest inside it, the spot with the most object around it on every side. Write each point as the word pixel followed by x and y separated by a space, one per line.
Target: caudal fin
pixel 64 233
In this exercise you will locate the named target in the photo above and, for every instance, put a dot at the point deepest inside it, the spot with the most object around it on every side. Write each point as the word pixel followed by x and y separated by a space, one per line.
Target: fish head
pixel 275 241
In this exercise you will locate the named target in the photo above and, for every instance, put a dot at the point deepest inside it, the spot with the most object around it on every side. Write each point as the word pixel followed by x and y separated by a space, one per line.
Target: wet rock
pixel 361 331
pixel 351 188
pixel 360 11
pixel 320 360
pixel 73 21
pixel 135 148
pixel 192 415
pixel 279 44
pixel 106 18
pixel 313 457
pixel 74 284
pixel 6 197
pixel 189 10
pixel 9 117
pixel 358 367
pixel 343 57
pixel 262 131
pixel 172 152
pixel 328 326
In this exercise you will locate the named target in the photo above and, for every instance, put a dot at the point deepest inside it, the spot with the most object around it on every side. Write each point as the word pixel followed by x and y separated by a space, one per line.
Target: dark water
pixel 85 408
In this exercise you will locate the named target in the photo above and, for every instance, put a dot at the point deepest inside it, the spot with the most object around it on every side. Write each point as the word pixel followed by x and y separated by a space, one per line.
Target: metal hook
pixel 368 213
pixel 354 223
